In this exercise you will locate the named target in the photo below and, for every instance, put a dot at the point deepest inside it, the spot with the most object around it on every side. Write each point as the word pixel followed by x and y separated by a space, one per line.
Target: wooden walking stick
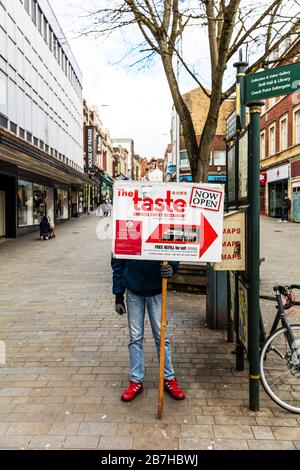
pixel 162 344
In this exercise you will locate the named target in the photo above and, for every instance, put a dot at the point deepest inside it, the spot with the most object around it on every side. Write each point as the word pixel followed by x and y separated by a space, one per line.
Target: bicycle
pixel 280 354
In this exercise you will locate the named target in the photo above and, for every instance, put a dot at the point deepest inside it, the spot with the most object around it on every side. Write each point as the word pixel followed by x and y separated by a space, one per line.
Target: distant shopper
pixel 286 205
pixel 45 228
pixel 104 208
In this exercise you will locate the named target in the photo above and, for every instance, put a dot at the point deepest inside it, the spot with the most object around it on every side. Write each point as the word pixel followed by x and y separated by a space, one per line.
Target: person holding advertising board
pixel 142 282
pixel 155 226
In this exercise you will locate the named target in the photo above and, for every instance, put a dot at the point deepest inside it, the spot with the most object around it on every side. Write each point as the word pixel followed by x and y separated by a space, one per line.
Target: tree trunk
pixel 183 112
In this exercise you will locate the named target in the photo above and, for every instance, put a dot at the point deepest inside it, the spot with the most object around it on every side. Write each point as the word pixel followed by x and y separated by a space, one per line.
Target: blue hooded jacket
pixel 140 276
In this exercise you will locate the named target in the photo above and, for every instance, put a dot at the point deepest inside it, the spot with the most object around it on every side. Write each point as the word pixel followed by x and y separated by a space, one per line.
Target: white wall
pixel 35 92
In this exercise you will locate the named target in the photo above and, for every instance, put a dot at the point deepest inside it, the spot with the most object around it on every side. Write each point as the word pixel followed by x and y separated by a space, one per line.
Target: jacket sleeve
pixel 118 266
pixel 175 266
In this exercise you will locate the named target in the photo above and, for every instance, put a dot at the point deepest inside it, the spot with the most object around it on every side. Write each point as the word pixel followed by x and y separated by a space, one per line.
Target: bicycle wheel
pixel 280 369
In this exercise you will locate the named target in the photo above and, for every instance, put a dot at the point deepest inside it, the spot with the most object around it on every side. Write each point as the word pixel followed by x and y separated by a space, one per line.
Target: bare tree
pixel 230 24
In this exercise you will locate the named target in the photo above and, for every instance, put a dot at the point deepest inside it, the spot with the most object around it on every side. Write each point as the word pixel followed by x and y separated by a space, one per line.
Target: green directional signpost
pixel 273 82
pixel 251 90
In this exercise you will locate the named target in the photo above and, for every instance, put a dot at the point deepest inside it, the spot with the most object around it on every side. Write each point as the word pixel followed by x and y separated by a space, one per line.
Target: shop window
pixel 49 202
pixel 25 203
pixel 38 203
pixel 62 204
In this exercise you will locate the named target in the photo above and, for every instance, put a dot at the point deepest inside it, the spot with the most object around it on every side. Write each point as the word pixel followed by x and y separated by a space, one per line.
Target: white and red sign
pixel 168 221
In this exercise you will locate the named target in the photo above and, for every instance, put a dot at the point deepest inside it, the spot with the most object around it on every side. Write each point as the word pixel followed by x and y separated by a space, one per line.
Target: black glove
pixel 120 305
pixel 166 271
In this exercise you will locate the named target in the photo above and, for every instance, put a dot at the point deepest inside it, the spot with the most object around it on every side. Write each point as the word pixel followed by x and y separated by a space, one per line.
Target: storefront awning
pixel 106 179
pixel 22 154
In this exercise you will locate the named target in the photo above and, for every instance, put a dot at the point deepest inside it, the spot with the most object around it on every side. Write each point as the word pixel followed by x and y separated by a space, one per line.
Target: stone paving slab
pixel 67 358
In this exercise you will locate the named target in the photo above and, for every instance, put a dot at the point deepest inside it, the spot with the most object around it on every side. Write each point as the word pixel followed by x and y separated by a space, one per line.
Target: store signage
pixel 273 82
pixel 278 173
pixel 233 244
pixel 217 178
pixel 90 148
pixel 263 178
pixel 168 221
pixel 99 144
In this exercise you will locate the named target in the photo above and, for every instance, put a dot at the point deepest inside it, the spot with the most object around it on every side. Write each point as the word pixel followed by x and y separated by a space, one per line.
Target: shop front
pixel 106 187
pixel 295 182
pixel 7 201
pixel 277 179
pixel 33 202
pixel 263 192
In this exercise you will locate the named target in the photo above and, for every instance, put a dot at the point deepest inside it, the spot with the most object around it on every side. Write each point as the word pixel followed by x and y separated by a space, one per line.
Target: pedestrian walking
pixel 286 205
pixel 104 208
pixel 142 281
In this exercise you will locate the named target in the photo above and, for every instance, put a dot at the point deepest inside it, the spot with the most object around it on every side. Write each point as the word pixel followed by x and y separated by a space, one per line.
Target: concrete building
pixel 198 104
pixel 41 148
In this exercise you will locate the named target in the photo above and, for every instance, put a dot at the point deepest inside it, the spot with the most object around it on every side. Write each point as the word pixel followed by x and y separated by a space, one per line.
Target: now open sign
pixel 202 198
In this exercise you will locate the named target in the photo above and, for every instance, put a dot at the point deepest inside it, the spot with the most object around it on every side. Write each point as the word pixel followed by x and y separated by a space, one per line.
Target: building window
pixel 22 133
pixel 283 133
pixel 3 93
pixel 26 5
pixel 262 145
pixel 45 31
pixel 62 204
pixel 13 128
pixel 55 45
pixel 40 20
pixel 297 127
pixel 33 11
pixel 50 39
pixel 219 158
pixel 28 136
pixel 25 203
pixel 272 146
pixel 184 161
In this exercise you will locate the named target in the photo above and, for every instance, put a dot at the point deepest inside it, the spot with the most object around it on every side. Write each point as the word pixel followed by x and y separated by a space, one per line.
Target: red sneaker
pixel 174 390
pixel 133 389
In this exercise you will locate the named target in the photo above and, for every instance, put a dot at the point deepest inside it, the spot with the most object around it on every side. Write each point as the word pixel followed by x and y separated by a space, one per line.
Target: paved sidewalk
pixel 280 246
pixel 67 361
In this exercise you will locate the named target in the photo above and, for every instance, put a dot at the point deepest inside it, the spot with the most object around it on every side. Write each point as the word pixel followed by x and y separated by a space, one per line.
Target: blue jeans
pixel 136 315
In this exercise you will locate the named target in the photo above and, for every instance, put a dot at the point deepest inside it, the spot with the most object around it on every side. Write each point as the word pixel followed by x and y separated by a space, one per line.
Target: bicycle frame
pixel 280 317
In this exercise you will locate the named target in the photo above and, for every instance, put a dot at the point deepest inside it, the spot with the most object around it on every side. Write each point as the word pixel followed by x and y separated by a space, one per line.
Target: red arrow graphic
pixel 179 234
pixel 208 235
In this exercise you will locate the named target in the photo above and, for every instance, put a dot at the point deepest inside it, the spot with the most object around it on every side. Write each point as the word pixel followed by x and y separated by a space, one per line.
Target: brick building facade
pixel 198 104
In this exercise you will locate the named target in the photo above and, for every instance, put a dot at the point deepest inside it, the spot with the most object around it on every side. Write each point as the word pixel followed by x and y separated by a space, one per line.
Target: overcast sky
pixel 139 103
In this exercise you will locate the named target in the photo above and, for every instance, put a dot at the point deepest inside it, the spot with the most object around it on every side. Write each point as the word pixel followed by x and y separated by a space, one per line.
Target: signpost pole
pixel 162 345
pixel 240 81
pixel 254 252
